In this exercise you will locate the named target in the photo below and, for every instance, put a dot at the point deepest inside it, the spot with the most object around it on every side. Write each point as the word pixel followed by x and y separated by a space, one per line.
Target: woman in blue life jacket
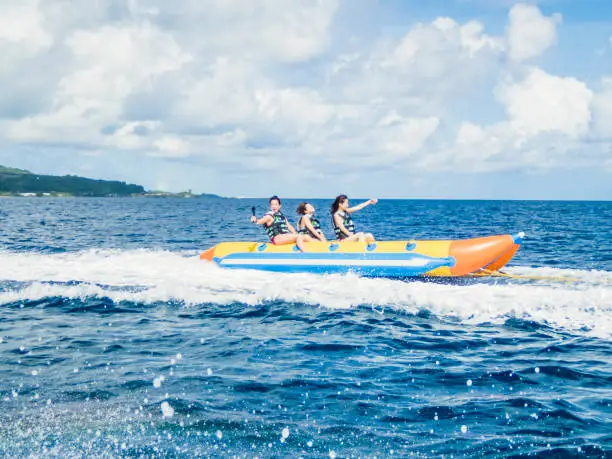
pixel 343 223
pixel 278 227
pixel 308 224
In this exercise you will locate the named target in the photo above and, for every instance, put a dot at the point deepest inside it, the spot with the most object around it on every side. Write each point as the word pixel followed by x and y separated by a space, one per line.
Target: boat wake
pixel 575 300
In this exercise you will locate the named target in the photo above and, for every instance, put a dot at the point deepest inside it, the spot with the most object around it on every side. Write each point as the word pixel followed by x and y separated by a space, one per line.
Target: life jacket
pixel 315 224
pixel 347 221
pixel 278 225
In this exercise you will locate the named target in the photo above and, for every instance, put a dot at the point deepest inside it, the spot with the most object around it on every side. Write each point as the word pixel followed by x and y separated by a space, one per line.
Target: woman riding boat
pixel 343 223
pixel 308 224
pixel 278 228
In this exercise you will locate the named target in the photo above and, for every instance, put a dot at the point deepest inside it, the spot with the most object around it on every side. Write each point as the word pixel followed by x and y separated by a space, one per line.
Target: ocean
pixel 116 340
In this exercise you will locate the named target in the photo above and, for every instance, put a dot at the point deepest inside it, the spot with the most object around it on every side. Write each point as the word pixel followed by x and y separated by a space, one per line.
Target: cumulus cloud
pixel 417 68
pixel 21 24
pixel 547 116
pixel 107 63
pixel 282 30
pixel 240 88
pixel 404 136
pixel 530 33
pixel 602 110
pixel 547 103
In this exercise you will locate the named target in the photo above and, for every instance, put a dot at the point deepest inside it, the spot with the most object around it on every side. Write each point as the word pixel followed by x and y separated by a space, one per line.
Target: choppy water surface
pixel 116 340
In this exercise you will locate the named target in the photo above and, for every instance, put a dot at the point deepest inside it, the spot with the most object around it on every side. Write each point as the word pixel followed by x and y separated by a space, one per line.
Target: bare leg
pixel 301 239
pixel 351 238
pixel 290 238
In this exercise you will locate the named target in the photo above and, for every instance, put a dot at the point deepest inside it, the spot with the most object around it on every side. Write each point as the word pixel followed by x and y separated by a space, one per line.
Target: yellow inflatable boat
pixel 380 259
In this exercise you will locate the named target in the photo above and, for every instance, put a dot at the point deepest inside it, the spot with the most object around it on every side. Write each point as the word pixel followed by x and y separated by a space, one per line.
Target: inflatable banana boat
pixel 379 259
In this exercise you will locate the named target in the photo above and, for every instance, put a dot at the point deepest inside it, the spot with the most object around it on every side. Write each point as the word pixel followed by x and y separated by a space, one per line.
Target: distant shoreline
pixel 23 183
pixel 154 195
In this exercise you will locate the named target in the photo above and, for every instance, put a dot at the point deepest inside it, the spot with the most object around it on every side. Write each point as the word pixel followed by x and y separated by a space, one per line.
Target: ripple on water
pixel 125 344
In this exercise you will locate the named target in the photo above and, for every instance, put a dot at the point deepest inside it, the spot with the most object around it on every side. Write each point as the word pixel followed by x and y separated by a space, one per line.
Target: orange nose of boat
pixel 490 253
pixel 208 254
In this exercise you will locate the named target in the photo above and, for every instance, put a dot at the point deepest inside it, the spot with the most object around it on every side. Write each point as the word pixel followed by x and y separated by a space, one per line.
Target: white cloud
pixel 21 23
pixel 283 30
pixel 127 136
pixel 479 143
pixel 530 33
pixel 241 87
pixel 405 136
pixel 295 114
pixel 107 64
pixel 547 117
pixel 547 103
pixel 409 78
pixel 602 110
pixel 171 146
pixel 429 52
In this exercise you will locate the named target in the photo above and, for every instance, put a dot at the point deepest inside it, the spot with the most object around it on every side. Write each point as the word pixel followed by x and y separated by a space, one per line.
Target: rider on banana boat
pixel 278 228
pixel 343 222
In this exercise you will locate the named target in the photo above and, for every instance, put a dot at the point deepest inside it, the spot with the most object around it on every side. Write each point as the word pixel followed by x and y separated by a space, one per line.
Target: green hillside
pixel 12 170
pixel 18 181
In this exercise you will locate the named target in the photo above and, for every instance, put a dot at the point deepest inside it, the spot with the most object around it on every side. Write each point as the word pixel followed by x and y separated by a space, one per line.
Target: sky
pixel 453 99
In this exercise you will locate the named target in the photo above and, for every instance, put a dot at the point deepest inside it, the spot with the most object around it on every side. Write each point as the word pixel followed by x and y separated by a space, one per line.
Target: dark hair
pixel 301 209
pixel 340 198
pixel 274 198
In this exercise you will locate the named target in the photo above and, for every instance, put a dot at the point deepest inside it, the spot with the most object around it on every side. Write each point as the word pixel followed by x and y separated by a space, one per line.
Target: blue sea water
pixel 116 340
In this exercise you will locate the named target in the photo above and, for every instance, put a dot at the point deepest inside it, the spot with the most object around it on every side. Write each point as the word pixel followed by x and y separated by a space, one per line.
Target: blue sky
pixel 489 99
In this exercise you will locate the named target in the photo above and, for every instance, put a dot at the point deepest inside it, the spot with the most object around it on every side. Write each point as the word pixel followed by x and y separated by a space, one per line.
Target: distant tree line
pixel 24 182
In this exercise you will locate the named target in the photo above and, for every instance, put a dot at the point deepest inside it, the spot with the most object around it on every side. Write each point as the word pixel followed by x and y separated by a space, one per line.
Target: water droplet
pixel 469 382
pixel 285 432
pixel 34 372
pixel 167 410
pixel 179 356
pixel 219 434
pixel 332 455
pixel 463 429
pixel 537 369
pixel 209 372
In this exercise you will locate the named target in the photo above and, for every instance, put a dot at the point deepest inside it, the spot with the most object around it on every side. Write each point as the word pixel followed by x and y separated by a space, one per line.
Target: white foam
pixel 578 300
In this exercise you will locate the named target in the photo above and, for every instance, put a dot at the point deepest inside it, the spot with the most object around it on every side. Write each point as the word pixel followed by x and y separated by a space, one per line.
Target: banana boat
pixel 445 258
